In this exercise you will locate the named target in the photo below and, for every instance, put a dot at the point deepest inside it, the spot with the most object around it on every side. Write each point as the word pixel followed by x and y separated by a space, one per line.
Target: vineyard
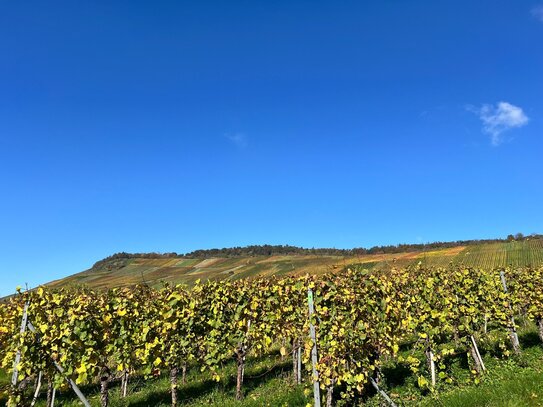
pixel 339 330
pixel 153 271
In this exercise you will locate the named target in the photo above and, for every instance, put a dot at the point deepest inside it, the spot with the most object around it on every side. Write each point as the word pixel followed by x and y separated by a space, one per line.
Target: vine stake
pixel 316 385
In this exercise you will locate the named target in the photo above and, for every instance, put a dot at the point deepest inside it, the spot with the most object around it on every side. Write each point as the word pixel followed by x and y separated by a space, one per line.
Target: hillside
pixel 117 272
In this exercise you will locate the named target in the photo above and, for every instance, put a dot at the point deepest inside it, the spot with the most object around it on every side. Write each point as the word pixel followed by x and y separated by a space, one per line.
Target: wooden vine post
pixel 431 362
pixel 294 361
pixel 477 356
pixel 36 390
pixel 72 384
pixel 297 361
pixel 299 367
pixel 15 374
pixel 25 323
pixel 512 329
pixel 382 393
pixel 314 359
pixel 432 367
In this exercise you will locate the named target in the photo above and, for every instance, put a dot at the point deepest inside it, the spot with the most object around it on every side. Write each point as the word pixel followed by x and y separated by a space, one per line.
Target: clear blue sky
pixel 170 126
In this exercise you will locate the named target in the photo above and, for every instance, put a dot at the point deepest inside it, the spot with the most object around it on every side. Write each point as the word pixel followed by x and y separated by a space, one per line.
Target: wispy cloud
pixel 537 12
pixel 499 118
pixel 237 139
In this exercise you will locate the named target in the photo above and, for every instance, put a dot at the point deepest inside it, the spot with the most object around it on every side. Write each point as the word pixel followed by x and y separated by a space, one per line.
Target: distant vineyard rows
pixel 493 255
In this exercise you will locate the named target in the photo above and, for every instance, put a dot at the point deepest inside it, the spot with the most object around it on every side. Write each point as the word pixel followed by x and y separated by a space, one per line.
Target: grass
pixel 512 381
pixel 517 381
pixel 522 389
pixel 202 393
pixel 267 383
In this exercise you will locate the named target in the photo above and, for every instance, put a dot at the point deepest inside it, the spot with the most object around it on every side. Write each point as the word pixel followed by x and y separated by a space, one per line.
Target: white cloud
pixel 499 119
pixel 238 139
pixel 537 12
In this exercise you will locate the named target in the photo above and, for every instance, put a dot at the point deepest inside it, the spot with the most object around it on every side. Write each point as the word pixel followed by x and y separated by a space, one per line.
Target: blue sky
pixel 171 126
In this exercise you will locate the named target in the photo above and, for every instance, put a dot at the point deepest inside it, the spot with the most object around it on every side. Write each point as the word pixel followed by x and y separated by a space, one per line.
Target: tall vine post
pixel 512 327
pixel 314 358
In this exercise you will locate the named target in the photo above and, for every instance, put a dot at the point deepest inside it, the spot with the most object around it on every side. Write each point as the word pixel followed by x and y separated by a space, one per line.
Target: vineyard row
pixel 360 319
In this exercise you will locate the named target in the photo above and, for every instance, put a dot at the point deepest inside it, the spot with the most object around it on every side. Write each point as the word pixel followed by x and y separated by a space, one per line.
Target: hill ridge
pixel 124 269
